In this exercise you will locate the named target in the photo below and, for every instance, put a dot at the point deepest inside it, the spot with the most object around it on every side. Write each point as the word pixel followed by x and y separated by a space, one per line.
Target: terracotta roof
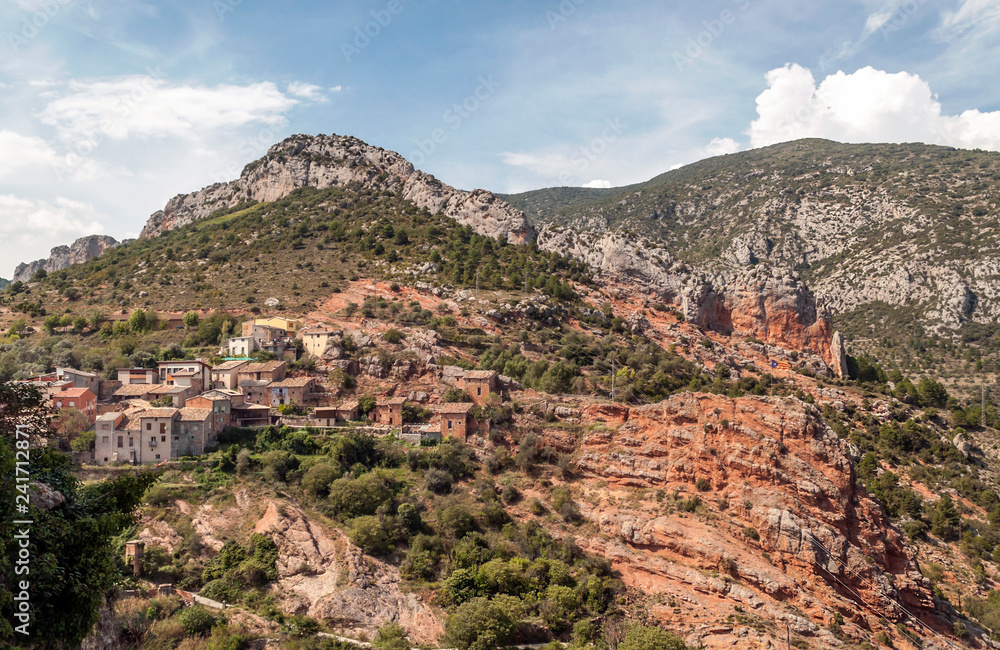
pixel 319 329
pixel 296 382
pixel 480 374
pixel 254 383
pixel 134 390
pixel 158 413
pixel 166 389
pixel 133 424
pixel 391 401
pixel 74 392
pixel 268 366
pixel 195 415
pixel 230 365
pixel 185 373
pixel 455 408
pixel 251 407
pixel 110 417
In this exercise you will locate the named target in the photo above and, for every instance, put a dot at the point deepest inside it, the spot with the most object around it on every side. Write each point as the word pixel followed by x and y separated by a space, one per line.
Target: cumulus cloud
pixel 308 92
pixel 18 152
pixel 721 147
pixel 867 106
pixel 149 107
pixel 598 184
pixel 28 229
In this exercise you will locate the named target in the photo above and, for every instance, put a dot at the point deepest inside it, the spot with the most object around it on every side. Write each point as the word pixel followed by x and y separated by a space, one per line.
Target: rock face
pixel 779 485
pixel 322 575
pixel 334 161
pixel 773 305
pixel 61 257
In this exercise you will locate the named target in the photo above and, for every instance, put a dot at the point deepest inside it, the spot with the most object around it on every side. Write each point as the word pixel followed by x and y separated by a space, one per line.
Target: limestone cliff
pixel 334 161
pixel 80 251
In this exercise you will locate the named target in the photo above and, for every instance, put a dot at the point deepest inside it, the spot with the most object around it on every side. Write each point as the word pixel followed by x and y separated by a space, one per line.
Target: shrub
pixel 456 395
pixel 751 533
pixel 703 485
pixel 370 535
pixel 438 481
pixel 317 480
pixel 641 637
pixel 480 624
pixel 350 498
pixel 393 336
pixel 391 637
pixel 456 521
pixel 196 620
pixel 277 465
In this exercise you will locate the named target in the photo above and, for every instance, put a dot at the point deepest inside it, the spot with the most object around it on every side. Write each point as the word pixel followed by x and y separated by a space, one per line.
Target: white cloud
pixel 18 152
pixel 721 147
pixel 969 16
pixel 148 107
pixel 28 229
pixel 598 184
pixel 337 89
pixel 876 21
pixel 308 92
pixel 867 106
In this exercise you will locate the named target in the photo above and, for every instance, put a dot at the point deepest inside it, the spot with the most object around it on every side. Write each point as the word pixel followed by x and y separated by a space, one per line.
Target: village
pixel 178 409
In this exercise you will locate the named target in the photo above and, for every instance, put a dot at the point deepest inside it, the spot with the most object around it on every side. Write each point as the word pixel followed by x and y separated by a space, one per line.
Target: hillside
pixel 710 465
pixel 897 241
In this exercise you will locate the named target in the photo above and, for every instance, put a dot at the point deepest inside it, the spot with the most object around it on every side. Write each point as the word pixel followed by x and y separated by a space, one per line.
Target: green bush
pixel 277 464
pixel 196 620
pixel 480 624
pixel 369 534
pixel 318 478
pixel 391 637
pixel 357 497
pixel 642 637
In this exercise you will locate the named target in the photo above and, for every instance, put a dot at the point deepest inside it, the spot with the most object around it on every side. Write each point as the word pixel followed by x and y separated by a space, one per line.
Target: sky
pixel 110 108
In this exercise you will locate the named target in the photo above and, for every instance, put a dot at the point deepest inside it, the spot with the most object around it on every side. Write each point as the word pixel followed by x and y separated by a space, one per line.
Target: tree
pixel 80 324
pixel 932 393
pixel 370 535
pixel 945 519
pixel 190 320
pixel 72 422
pixel 481 624
pixel 76 544
pixel 642 637
pixel 366 404
pixel 391 637
pixel 138 321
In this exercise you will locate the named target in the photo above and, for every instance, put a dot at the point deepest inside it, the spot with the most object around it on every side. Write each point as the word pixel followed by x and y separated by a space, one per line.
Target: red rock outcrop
pixel 786 527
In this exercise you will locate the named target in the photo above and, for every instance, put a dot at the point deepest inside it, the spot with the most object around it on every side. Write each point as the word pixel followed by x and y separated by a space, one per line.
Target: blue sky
pixel 107 109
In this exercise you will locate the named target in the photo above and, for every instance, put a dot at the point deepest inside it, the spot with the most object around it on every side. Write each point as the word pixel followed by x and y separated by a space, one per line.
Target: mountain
pixel 886 236
pixel 61 257
pixel 3 284
pixel 324 161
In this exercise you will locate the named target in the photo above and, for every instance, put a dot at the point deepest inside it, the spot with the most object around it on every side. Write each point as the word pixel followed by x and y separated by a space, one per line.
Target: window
pixel 130 441
pixel 163 427
pixel 176 438
pixel 149 426
pixel 104 440
pixel 449 425
pixel 72 403
pixel 163 438
pixel 152 441
pixel 157 457
pixel 479 390
pixel 120 442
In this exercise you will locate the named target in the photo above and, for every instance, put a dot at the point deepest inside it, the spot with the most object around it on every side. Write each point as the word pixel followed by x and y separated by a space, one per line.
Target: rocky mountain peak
pixel 325 161
pixel 60 257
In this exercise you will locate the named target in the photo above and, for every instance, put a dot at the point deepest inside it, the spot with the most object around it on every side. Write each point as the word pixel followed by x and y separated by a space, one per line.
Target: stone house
pixel 220 406
pixel 227 375
pixel 156 427
pixel 297 390
pixel 82 399
pixel 193 432
pixel 105 428
pixel 315 340
pixel 389 411
pixel 177 394
pixel 329 416
pixel 479 384
pixel 251 415
pixel 256 392
pixel 267 371
pixel 456 419
pixel 80 379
